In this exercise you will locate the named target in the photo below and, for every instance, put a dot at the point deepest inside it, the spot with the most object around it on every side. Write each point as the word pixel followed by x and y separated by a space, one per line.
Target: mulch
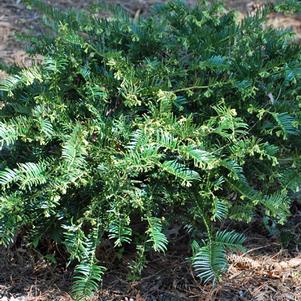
pixel 266 272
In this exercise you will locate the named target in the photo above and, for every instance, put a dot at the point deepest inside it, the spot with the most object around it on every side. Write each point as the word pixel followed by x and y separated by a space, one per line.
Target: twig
pixel 258 248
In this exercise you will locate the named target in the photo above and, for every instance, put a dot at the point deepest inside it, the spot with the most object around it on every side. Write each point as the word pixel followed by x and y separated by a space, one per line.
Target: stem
pixel 201 87
pixel 206 223
pixel 207 229
pixel 192 88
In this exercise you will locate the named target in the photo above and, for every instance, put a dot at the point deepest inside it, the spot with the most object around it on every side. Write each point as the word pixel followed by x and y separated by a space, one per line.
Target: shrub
pixel 186 115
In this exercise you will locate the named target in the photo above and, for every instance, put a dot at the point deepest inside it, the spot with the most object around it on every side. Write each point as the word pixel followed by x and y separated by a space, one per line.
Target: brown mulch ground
pixel 265 273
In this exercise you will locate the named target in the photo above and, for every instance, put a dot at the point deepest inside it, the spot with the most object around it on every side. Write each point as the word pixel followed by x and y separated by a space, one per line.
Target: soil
pixel 267 272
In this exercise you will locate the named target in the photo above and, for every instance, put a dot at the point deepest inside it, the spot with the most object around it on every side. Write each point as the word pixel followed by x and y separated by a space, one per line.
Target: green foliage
pixel 88 272
pixel 288 6
pixel 210 260
pixel 156 237
pixel 137 265
pixel 130 124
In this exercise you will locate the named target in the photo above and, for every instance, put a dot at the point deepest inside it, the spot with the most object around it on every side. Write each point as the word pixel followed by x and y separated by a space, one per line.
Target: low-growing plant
pixel 185 115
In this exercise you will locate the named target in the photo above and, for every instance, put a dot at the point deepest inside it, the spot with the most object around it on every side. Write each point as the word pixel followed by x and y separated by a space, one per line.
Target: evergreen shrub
pixel 187 115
